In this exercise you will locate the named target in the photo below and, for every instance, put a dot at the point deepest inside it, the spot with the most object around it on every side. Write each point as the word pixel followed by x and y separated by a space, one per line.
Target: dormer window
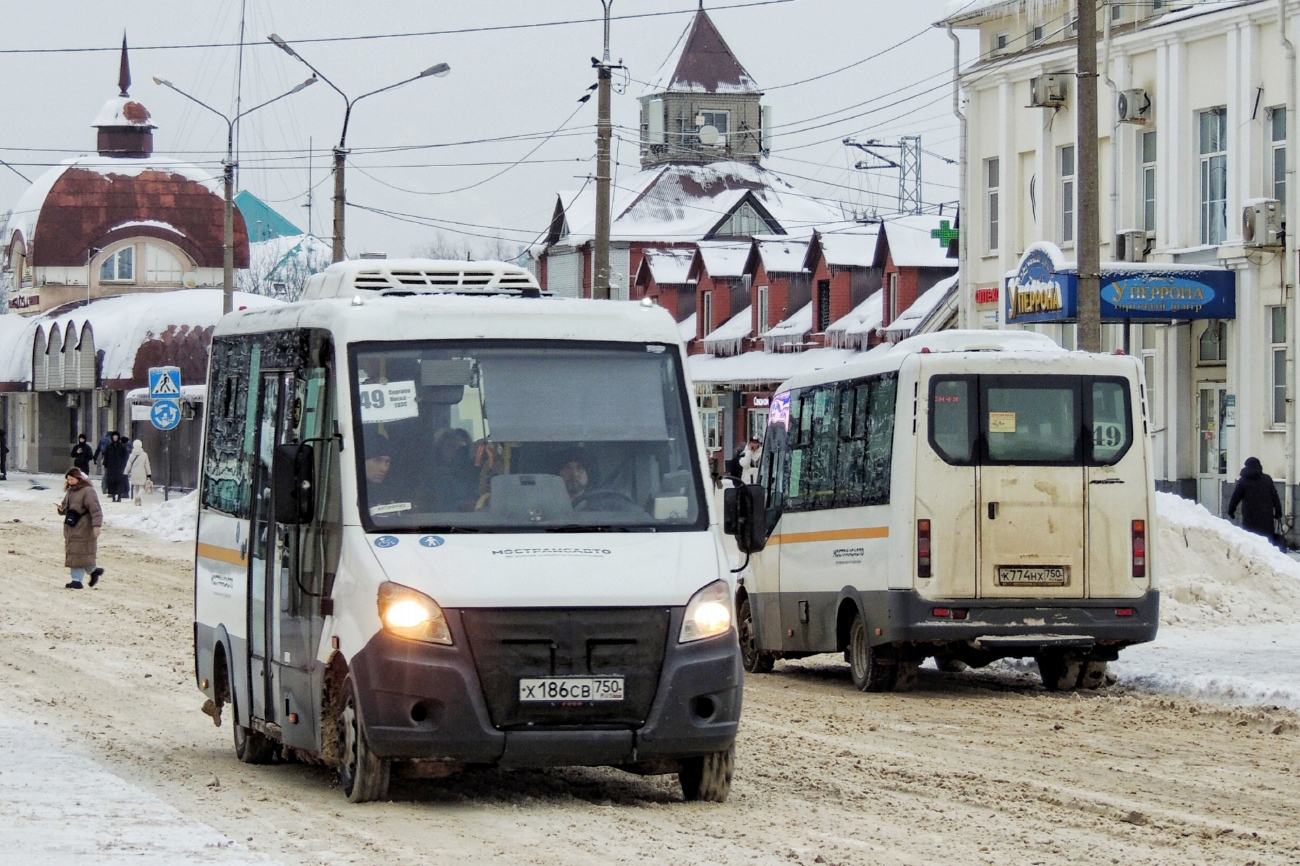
pixel 1036 34
pixel 119 267
pixel 1001 41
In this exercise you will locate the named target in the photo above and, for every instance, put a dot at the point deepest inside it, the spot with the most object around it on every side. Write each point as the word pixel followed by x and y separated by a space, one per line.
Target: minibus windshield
pixel 496 436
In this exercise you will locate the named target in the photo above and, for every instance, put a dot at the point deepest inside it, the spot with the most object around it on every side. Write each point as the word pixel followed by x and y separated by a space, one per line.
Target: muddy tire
pixel 363 775
pixel 870 672
pixel 708 778
pixel 754 660
pixel 1059 673
pixel 251 747
pixel 905 676
pixel 1094 676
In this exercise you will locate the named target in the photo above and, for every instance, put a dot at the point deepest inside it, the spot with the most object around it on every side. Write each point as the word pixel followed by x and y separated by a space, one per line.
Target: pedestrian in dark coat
pixel 80 541
pixel 116 454
pixel 82 455
pixel 4 457
pixel 1258 499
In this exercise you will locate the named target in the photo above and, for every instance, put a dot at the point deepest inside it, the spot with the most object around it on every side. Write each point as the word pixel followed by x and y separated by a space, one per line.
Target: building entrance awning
pixel 1045 288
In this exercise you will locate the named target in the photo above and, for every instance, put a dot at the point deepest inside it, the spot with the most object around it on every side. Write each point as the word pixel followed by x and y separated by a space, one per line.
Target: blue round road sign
pixel 165 414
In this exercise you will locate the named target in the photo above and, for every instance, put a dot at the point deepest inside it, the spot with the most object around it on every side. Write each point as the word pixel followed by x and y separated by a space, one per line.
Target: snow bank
pixel 1215 574
pixel 173 520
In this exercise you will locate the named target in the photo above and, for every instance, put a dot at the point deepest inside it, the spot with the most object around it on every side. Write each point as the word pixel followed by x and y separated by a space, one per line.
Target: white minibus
pixel 446 521
pixel 964 496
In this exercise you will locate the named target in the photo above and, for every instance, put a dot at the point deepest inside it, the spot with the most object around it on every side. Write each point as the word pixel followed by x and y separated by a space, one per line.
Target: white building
pixel 1193 106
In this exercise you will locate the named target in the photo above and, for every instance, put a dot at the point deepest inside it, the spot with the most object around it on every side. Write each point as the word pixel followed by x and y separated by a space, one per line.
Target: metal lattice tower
pixel 908 165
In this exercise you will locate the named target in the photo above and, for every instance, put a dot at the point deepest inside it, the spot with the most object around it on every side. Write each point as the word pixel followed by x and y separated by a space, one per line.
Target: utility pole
pixel 1089 263
pixel 604 131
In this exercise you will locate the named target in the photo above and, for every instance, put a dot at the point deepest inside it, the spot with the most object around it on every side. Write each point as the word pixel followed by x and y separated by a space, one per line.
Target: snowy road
pixel 979 767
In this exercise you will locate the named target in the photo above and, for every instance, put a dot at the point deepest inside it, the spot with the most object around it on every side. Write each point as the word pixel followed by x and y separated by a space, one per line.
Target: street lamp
pixel 228 175
pixel 340 153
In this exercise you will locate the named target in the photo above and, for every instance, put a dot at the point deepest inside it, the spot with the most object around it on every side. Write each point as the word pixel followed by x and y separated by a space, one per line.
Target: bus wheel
pixel 754 660
pixel 870 672
pixel 708 778
pixel 1093 675
pixel 251 747
pixel 363 775
pixel 1060 674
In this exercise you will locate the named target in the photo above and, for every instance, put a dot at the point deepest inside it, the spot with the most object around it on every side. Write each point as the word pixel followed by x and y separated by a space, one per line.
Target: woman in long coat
pixel 138 470
pixel 80 542
pixel 115 457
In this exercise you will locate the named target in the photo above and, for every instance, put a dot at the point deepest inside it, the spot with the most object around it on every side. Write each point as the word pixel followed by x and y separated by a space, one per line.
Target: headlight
pixel 412 615
pixel 708 613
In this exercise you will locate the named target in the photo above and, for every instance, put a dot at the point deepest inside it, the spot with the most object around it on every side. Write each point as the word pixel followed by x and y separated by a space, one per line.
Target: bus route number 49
pixel 570 689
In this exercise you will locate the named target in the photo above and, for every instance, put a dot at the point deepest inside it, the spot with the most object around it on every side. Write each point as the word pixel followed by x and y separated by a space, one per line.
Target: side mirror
pixel 292 485
pixel 742 516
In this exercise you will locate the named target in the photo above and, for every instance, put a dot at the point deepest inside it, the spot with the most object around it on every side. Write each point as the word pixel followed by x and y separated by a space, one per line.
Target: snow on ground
pixel 99 819
pixel 174 520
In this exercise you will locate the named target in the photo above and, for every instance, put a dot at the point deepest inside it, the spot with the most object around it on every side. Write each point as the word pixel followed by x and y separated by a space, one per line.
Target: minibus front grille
pixel 513 644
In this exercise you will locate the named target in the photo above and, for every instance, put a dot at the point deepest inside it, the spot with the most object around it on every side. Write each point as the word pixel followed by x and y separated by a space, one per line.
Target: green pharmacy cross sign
pixel 945 233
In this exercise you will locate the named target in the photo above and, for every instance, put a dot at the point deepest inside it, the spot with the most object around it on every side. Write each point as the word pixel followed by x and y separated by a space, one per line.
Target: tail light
pixel 1139 548
pixel 922 548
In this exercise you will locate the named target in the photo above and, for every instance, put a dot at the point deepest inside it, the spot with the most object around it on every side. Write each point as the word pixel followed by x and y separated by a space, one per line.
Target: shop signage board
pixel 1045 289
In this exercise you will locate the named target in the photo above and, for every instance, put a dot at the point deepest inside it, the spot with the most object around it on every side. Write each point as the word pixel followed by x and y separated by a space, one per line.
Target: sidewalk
pixel 65 810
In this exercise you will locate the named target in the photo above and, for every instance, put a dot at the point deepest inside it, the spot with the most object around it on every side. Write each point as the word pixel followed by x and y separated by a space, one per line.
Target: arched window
pixel 118 266
pixel 160 266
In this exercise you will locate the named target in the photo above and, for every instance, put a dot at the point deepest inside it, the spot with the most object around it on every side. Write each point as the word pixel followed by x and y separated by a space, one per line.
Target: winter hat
pixel 1253 467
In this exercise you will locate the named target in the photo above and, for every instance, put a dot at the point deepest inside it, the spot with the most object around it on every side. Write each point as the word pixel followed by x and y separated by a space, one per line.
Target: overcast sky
pixel 424 150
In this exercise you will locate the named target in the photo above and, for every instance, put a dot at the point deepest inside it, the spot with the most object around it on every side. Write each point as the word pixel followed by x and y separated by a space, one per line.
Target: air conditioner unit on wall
pixel 1261 223
pixel 104 399
pixel 1131 246
pixel 74 399
pixel 1133 106
pixel 1047 91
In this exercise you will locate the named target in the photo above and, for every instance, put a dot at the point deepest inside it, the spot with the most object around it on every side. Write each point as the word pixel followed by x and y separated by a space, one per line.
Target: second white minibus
pixel 966 496
pixel 448 522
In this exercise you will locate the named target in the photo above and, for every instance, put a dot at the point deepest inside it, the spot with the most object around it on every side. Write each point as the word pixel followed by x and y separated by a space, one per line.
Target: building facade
pixel 1196 150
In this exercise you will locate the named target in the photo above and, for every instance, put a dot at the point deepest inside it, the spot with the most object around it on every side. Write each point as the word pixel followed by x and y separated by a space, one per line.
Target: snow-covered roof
pixel 701 62
pixel 121 325
pixel 766 367
pixel 29 206
pixel 866 317
pixel 724 258
pixel 913 316
pixel 911 245
pixel 686 327
pixel 849 248
pixel 670 266
pixel 728 339
pixel 782 255
pixel 685 203
pixel 791 330
pixel 123 111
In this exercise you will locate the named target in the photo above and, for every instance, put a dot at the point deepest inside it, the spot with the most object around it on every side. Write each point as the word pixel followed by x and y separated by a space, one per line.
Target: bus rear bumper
pixel 1007 627
pixel 420 701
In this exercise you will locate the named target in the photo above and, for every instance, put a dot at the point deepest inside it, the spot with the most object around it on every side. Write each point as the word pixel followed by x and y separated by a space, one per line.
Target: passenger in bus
pixel 385 494
pixel 454 477
pixel 574 475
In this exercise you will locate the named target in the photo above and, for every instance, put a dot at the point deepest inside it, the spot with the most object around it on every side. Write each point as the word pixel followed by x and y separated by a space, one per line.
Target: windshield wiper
pixel 598 527
pixel 450 530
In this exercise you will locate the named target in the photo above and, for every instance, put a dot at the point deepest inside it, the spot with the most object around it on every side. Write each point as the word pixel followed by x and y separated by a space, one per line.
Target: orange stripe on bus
pixel 831 535
pixel 220 554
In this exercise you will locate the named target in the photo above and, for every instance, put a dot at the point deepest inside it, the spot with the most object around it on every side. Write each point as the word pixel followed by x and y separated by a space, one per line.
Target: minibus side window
pixel 952 413
pixel 772 472
pixel 851 467
pixel 820 474
pixel 226 467
pixel 1112 427
pixel 879 442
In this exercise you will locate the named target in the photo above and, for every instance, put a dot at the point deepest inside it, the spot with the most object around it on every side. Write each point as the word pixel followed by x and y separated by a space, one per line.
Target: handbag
pixel 148 486
pixel 71 517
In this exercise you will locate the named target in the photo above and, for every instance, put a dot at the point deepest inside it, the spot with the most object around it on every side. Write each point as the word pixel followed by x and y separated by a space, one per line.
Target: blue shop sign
pixel 1044 289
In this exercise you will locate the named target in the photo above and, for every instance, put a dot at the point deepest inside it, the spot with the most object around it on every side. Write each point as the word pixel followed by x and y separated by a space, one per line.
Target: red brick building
pixel 911 260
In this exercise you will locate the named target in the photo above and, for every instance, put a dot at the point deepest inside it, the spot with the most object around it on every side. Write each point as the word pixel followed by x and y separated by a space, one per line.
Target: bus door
pixel 1117 486
pixel 280 645
pixel 945 484
pixel 1031 497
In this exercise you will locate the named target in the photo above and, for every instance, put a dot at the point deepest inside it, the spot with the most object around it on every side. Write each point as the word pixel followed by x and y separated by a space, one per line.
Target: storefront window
pixel 1214 343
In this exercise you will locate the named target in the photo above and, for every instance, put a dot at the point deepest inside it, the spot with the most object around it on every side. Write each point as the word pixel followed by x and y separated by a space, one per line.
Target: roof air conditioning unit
pixel 1133 106
pixel 1261 223
pixel 1131 246
pixel 1047 91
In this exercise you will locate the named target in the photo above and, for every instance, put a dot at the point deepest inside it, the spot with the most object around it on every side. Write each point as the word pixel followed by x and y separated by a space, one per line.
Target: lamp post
pixel 438 70
pixel 228 180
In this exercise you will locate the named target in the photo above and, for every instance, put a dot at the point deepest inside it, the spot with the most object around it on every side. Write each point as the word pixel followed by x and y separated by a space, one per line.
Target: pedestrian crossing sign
pixel 164 383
